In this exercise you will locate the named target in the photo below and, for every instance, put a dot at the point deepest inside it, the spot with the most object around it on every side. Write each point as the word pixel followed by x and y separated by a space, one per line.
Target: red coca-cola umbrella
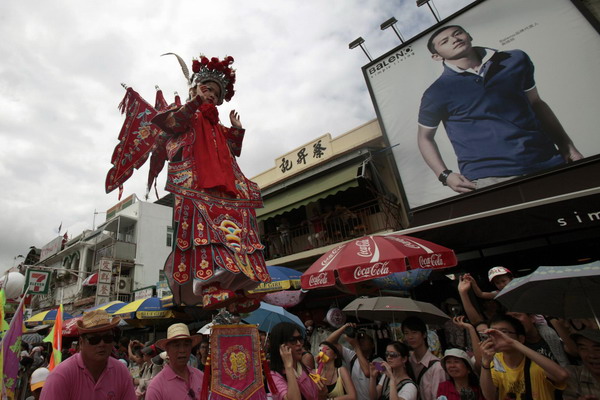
pixel 70 327
pixel 375 256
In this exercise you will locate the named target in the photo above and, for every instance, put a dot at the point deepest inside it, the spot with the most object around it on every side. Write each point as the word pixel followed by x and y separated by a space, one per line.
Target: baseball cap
pixel 497 271
pixel 38 378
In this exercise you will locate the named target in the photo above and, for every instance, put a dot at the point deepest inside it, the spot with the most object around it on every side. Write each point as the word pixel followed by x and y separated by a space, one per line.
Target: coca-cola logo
pixel 332 254
pixel 434 260
pixel 364 248
pixel 317 280
pixel 371 271
pixel 406 242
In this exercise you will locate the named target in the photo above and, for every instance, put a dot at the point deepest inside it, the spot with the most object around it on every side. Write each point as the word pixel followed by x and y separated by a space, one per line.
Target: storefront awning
pixel 91 280
pixel 310 191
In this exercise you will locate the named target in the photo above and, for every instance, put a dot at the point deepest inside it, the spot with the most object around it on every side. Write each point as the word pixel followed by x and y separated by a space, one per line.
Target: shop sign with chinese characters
pixel 104 281
pixel 306 156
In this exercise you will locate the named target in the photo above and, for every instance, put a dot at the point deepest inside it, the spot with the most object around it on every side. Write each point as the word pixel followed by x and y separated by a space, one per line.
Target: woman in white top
pixel 396 382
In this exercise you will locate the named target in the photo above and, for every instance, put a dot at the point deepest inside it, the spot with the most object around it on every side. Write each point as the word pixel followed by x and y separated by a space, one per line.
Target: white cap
pixel 497 271
pixel 38 377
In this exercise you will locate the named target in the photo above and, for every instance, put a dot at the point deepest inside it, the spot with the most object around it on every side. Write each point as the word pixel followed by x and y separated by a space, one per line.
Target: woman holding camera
pixel 397 381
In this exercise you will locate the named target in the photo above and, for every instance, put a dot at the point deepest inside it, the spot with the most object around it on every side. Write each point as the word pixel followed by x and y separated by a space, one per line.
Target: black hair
pixel 124 341
pixel 415 324
pixel 279 335
pixel 404 351
pixel 137 350
pixel 338 356
pixel 149 351
pixel 430 45
pixel 512 321
pixel 362 334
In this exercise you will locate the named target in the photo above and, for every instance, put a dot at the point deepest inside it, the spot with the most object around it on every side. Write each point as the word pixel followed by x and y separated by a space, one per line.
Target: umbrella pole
pixel 591 307
pixel 593 312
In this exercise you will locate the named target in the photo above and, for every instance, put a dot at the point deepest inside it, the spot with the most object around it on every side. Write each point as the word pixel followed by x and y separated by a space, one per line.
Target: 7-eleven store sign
pixel 37 282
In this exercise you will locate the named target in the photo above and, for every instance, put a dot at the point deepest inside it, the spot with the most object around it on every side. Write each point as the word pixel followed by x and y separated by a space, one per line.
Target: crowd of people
pixel 495 354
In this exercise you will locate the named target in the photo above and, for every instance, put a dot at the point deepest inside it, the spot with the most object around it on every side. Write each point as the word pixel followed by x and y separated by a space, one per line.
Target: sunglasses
pixel 191 394
pixel 295 339
pixel 391 354
pixel 108 338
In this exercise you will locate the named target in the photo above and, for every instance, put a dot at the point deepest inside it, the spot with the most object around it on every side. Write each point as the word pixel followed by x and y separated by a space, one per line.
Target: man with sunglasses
pixel 91 374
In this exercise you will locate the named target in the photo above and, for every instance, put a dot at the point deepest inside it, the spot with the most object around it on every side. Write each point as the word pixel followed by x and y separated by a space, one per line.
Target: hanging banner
pixel 37 282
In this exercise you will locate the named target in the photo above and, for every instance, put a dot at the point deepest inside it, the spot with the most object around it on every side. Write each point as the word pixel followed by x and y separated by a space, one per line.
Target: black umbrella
pixel 566 292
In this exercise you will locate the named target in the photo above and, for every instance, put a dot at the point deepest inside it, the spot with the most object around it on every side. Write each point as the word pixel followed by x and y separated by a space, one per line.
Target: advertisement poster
pixel 530 105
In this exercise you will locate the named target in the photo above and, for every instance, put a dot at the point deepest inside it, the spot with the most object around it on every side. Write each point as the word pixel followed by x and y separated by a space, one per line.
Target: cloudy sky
pixel 62 62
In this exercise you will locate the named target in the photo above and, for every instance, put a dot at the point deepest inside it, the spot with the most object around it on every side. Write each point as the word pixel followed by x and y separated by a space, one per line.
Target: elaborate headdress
pixel 213 70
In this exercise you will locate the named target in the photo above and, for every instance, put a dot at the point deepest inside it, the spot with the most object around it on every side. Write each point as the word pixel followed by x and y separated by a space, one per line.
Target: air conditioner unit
pixel 124 284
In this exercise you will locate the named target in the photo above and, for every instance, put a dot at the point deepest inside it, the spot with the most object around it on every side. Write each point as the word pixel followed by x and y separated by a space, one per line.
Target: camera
pixel 350 332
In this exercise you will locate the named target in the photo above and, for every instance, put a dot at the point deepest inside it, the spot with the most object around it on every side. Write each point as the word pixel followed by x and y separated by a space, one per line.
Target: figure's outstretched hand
pixel 234 117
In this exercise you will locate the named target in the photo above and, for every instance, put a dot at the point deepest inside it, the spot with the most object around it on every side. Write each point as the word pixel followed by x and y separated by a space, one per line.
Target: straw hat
pixel 97 321
pixel 38 378
pixel 177 332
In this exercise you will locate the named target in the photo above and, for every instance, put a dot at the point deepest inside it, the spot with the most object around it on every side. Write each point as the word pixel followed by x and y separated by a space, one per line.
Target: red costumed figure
pixel 217 253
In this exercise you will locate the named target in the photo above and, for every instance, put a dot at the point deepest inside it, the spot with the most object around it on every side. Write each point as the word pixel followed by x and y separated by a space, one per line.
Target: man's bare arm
pixel 433 158
pixel 464 285
pixel 552 125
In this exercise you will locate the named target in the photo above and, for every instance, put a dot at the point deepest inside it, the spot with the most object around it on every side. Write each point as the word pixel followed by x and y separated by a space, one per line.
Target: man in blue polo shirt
pixel 497 123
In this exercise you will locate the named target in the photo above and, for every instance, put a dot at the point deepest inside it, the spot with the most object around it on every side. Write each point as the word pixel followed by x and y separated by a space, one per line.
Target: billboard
pixel 52 248
pixel 511 91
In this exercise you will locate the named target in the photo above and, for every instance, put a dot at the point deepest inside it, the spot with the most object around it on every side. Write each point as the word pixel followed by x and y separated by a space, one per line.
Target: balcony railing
pixel 118 250
pixel 124 297
pixel 350 224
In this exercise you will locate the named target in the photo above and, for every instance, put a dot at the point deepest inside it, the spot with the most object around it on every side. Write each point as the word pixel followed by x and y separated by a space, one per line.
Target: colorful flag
pixel 3 324
pixel 55 337
pixel 11 350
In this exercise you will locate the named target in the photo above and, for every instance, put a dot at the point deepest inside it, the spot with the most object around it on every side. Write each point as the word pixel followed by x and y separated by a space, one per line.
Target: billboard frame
pixel 586 14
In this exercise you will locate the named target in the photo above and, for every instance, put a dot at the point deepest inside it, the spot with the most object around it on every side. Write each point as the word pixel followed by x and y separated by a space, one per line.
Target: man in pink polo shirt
pixel 177 380
pixel 91 374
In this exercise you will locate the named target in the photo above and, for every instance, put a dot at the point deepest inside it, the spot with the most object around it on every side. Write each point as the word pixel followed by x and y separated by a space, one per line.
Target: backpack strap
pixel 403 383
pixel 353 361
pixel 386 383
pixel 431 363
pixel 527 373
